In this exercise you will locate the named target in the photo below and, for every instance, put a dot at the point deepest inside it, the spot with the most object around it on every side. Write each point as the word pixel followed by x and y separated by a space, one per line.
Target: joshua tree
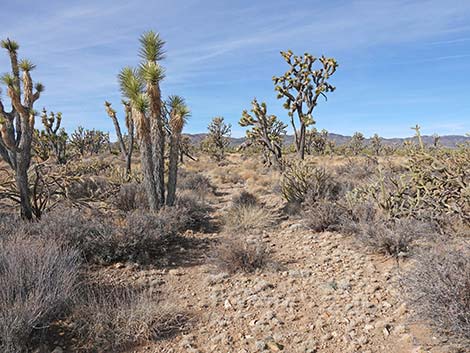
pixel 267 131
pixel 52 139
pixel 217 139
pixel 376 144
pixel 301 86
pixel 126 151
pixel 356 144
pixel 17 126
pixel 179 112
pixel 142 88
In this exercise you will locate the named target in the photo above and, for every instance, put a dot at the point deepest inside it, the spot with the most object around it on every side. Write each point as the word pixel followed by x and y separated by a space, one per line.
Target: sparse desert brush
pixel 193 211
pixel 438 290
pixel 237 254
pixel 90 233
pixel 110 319
pixel 242 219
pixel 38 278
pixel 131 196
pixel 322 215
pixel 244 198
pixel 395 237
pixel 357 170
pixel 195 182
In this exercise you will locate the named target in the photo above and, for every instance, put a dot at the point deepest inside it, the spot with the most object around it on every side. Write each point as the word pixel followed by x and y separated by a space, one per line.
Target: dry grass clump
pixel 37 280
pixel 244 198
pixel 438 290
pixel 240 255
pixel 112 319
pixel 242 219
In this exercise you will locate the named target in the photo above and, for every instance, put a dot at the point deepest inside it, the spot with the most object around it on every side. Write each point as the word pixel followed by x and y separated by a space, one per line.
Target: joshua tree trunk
pixel 147 165
pixel 125 151
pixel 26 209
pixel 173 169
pixel 158 140
pixel 17 126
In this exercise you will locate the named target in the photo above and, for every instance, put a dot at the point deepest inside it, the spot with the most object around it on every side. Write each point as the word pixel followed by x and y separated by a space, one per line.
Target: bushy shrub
pixel 131 196
pixel 395 237
pixel 322 215
pixel 242 219
pixel 193 212
pixel 195 182
pixel 240 255
pixel 144 235
pixel 244 198
pixel 110 319
pixel 356 215
pixel 438 289
pixel 37 280
pixel 301 179
pixel 92 234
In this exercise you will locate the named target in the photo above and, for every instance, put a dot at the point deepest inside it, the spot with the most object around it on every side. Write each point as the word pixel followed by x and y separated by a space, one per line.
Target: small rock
pixel 58 350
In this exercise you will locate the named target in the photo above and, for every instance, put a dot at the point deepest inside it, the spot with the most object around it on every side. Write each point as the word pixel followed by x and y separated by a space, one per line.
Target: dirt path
pixel 330 297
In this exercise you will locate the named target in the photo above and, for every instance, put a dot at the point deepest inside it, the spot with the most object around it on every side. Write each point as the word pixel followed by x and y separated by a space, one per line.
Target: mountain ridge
pixel 445 140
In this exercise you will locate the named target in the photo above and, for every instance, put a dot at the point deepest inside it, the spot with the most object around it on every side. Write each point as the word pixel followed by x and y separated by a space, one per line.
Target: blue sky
pixel 401 62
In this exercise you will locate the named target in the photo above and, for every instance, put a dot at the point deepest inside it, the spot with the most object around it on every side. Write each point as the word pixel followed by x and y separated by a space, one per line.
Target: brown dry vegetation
pixel 235 267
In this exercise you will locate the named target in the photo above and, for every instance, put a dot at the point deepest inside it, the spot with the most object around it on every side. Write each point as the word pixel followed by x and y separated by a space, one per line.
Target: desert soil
pixel 329 296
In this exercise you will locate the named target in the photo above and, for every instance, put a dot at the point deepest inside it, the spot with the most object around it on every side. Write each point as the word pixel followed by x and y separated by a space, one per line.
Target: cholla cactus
pixel 267 131
pixel 376 144
pixel 356 144
pixel 301 86
pixel 126 151
pixel 17 125
pixel 316 141
pixel 85 141
pixel 217 139
pixel 52 140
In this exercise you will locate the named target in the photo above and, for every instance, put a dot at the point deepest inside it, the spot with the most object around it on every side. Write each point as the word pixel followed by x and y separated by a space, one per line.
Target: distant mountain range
pixel 447 140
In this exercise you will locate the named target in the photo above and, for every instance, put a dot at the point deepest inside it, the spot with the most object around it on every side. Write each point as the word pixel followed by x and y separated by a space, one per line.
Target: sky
pixel 401 62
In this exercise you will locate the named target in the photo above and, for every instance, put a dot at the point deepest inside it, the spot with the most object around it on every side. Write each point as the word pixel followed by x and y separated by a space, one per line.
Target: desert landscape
pixel 153 237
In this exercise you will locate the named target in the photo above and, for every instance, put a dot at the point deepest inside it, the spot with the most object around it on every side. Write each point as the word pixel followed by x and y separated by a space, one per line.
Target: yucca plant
pixel 179 113
pixel 17 126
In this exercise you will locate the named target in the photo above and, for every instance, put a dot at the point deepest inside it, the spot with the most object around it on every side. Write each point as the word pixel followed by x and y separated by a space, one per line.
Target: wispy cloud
pixel 226 50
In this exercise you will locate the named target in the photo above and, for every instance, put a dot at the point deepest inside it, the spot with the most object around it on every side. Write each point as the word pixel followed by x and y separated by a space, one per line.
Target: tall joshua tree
pixel 301 86
pixel 17 126
pixel 142 88
pixel 126 151
pixel 179 112
pixel 267 131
